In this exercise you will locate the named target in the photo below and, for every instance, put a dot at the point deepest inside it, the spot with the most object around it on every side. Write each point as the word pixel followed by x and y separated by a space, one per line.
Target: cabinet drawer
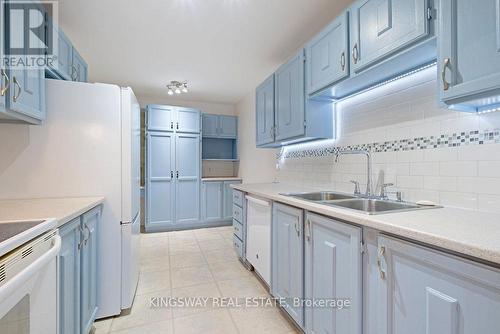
pixel 238 198
pixel 238 229
pixel 238 213
pixel 238 246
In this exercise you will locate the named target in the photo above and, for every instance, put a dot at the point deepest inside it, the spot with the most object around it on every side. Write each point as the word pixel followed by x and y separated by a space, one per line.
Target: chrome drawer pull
pixel 446 85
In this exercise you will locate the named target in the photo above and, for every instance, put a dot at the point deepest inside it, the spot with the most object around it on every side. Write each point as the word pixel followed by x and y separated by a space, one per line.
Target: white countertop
pixel 62 209
pixel 471 233
pixel 222 178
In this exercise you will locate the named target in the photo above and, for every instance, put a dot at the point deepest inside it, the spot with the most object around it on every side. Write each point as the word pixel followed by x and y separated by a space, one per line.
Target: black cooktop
pixel 11 229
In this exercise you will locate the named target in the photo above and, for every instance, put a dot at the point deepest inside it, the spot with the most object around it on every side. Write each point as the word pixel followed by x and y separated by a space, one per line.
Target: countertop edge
pixel 96 202
pixel 455 246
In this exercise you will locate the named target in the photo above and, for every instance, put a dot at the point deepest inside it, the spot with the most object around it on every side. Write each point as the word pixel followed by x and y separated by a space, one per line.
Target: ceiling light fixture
pixel 177 87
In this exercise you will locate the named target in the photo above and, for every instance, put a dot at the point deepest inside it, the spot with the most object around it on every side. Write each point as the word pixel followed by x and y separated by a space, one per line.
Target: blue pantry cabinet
pixel 187 185
pixel 173 167
pixel 264 115
pixel 382 27
pixel 426 291
pixel 333 269
pixel 78 292
pixel 328 55
pixel 289 114
pixel 287 268
pixel 469 54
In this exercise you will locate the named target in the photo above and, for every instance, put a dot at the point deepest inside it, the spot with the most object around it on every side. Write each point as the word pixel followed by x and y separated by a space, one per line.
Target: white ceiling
pixel 223 48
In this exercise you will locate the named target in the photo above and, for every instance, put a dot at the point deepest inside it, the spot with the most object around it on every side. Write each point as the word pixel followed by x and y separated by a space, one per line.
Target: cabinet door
pixel 264 112
pixel 425 291
pixel 188 120
pixel 212 200
pixel 289 113
pixel 327 57
pixel 210 125
pixel 69 278
pixel 287 267
pixel 160 196
pixel 380 28
pixel 469 39
pixel 90 249
pixel 228 199
pixel 228 126
pixel 187 188
pixel 79 68
pixel 333 270
pixel 160 118
pixel 62 65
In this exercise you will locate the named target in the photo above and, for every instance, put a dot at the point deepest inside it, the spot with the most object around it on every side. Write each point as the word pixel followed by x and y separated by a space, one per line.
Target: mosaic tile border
pixel 457 139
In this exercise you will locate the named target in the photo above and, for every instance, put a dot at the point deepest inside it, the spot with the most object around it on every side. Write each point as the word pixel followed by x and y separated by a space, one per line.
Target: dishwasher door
pixel 259 236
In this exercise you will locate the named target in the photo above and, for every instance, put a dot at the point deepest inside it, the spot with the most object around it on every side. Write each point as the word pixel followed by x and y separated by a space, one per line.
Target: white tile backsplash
pixel 466 176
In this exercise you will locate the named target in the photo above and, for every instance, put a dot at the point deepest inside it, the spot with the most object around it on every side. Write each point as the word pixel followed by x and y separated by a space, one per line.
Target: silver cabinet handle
pixel 88 235
pixel 16 96
pixel 6 80
pixel 342 61
pixel 381 253
pixel 177 174
pixel 308 230
pixel 446 85
pixel 73 72
pixel 297 229
pixel 172 125
pixel 171 174
pixel 78 73
pixel 177 125
pixel 82 239
pixel 355 53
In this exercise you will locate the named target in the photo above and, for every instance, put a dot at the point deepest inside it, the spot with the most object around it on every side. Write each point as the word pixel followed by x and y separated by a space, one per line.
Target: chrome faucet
pixel 369 187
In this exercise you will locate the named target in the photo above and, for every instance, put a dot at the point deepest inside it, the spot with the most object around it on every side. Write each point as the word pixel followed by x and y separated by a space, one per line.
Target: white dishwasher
pixel 258 245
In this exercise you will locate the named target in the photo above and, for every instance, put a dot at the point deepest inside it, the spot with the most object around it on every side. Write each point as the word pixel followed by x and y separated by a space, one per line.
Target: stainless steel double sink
pixel 370 206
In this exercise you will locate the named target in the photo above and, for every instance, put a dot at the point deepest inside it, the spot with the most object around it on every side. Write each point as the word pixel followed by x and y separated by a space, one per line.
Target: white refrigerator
pixel 89 145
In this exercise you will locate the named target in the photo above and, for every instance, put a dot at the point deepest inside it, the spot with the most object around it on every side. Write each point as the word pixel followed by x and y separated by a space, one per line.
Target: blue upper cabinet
pixel 228 126
pixel 79 68
pixel 188 120
pixel 469 54
pixel 219 126
pixel 210 125
pixel 380 28
pixel 264 112
pixel 328 55
pixel 289 115
pixel 61 66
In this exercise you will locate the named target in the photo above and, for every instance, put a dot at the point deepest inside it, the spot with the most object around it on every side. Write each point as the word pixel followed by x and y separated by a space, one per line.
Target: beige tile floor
pixel 196 263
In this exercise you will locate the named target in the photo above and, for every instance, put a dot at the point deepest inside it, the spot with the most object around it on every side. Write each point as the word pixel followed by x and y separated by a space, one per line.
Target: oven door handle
pixel 17 281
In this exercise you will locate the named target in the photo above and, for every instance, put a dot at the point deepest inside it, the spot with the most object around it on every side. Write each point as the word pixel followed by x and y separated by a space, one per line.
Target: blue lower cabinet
pixel 77 281
pixel 227 212
pixel 426 291
pixel 212 201
pixel 88 264
pixel 333 269
pixel 69 278
pixel 287 267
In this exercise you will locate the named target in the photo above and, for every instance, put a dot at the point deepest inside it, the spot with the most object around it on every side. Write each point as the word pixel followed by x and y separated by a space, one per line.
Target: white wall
pixel 207 107
pixel 467 176
pixel 256 165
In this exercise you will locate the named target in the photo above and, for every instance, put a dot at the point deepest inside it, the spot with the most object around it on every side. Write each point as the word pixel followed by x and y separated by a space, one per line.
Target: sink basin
pixel 321 196
pixel 375 206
